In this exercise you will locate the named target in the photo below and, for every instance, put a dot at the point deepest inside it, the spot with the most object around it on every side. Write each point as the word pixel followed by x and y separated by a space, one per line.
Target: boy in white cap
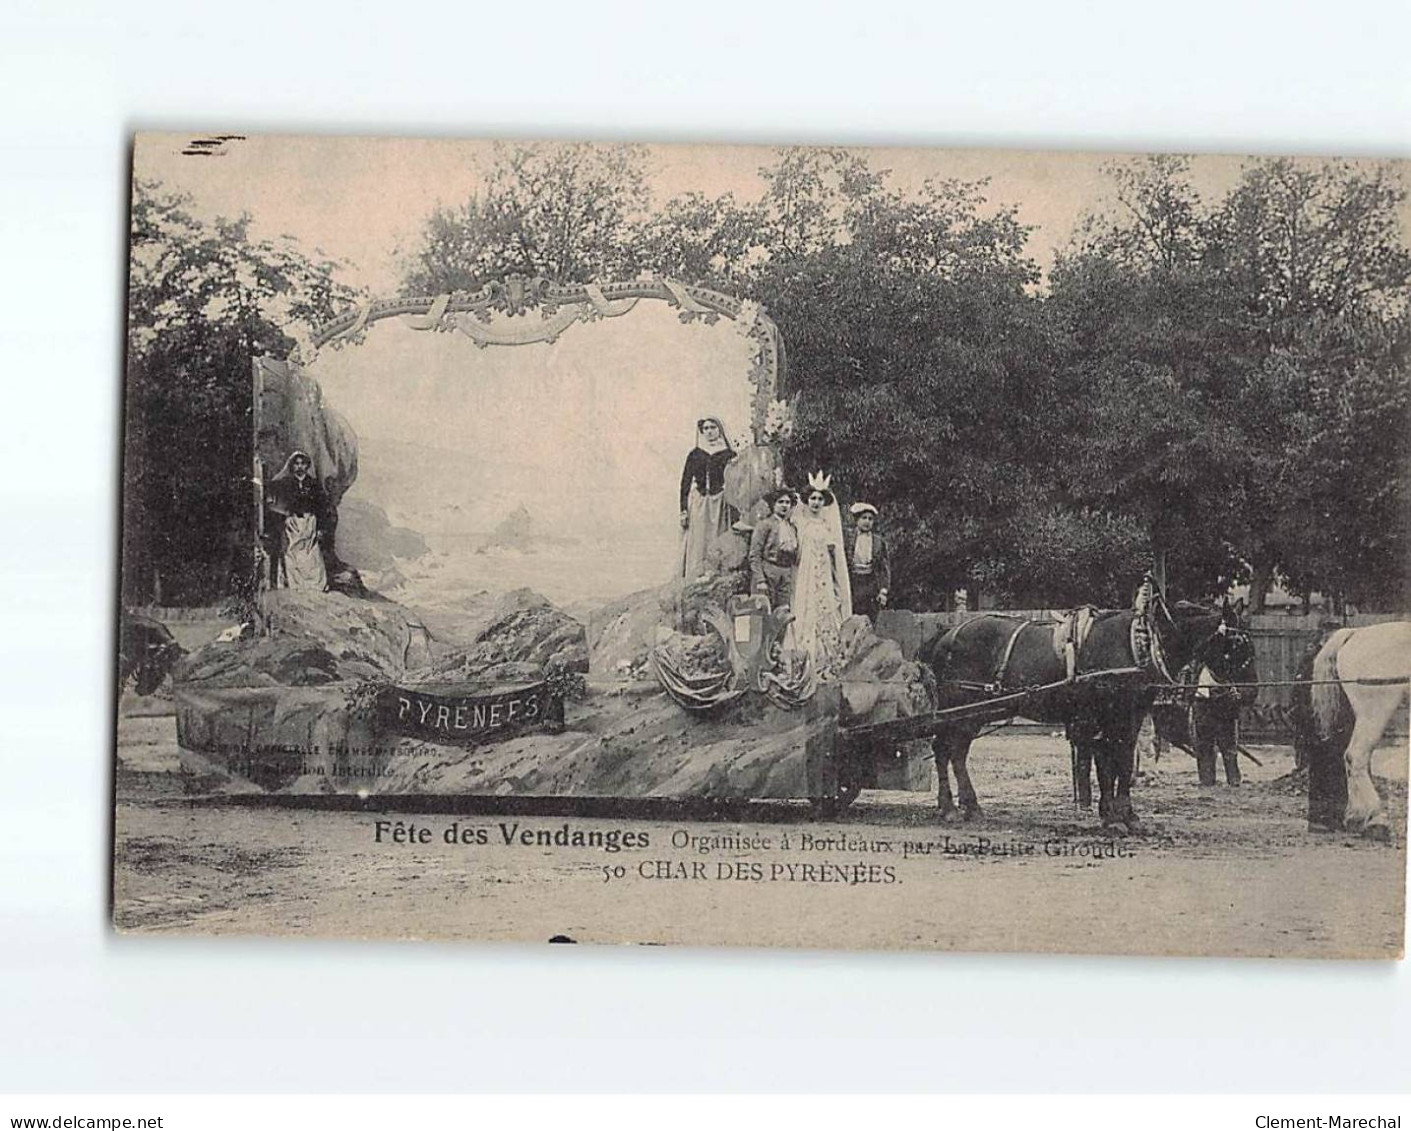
pixel 868 562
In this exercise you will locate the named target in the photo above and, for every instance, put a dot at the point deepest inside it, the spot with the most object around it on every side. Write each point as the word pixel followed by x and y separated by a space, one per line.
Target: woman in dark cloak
pixel 297 519
pixel 705 516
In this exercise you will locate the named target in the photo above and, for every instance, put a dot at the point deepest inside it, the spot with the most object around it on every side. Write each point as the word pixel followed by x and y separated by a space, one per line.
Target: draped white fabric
pixel 302 567
pixel 822 588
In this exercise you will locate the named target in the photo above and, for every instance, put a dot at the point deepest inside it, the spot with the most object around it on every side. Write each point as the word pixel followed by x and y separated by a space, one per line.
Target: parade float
pixel 687 687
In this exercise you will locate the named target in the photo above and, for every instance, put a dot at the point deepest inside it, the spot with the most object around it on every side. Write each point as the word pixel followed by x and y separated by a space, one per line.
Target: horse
pixel 1101 695
pixel 1203 715
pixel 1351 685
pixel 145 649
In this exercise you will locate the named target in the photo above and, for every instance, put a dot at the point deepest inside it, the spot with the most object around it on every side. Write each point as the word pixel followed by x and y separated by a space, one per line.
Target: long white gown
pixel 822 590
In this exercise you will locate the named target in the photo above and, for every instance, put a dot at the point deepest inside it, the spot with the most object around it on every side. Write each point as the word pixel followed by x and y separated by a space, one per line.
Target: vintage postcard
pixel 798 547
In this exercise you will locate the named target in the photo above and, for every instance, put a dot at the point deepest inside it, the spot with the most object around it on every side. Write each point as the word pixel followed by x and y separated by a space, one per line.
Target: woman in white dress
pixel 822 590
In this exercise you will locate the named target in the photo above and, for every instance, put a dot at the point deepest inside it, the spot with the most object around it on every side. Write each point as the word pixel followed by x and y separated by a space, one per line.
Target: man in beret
pixel 869 563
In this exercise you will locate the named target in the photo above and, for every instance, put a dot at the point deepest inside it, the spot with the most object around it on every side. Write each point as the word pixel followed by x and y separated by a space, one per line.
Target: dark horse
pixel 1202 717
pixel 991 655
pixel 145 649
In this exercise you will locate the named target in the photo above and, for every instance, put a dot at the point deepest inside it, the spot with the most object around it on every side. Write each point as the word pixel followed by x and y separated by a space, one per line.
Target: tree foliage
pixel 1241 365
pixel 562 211
pixel 918 357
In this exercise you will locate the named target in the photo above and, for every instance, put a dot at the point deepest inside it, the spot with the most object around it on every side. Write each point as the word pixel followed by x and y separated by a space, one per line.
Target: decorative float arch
pixel 560 306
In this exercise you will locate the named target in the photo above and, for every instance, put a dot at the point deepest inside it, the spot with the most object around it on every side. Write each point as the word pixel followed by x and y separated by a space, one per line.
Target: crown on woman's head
pixel 818 481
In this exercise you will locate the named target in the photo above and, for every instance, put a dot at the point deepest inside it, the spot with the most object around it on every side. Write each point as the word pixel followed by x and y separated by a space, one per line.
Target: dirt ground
pixel 1217 872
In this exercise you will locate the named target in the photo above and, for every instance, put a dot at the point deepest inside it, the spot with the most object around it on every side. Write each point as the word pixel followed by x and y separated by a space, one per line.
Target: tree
pixel 1158 222
pixel 204 298
pixel 1149 406
pixel 811 195
pixel 920 356
pixel 714 242
pixel 1213 341
pixel 567 212
pixel 1304 242
pixel 1349 514
pixel 1059 556
pixel 1314 254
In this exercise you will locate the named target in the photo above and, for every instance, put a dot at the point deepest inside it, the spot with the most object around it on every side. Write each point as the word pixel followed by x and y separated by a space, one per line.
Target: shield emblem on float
pixel 750 624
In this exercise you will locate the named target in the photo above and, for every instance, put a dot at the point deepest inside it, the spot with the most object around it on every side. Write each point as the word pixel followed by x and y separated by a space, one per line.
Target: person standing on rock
pixel 869 563
pixel 774 551
pixel 822 597
pixel 296 519
pixel 705 516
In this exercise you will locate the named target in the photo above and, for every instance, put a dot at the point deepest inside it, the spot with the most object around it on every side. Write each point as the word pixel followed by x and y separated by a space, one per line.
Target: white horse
pixel 1360 676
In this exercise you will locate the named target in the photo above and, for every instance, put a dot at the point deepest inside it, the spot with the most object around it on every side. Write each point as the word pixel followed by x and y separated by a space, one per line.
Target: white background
pixel 81 1009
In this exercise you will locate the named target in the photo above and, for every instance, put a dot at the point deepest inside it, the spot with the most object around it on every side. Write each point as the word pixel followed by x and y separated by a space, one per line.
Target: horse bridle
pixel 1223 630
pixel 1239 642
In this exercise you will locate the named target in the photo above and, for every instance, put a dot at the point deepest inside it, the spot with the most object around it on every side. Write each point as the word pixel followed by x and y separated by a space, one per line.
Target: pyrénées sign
pixel 441 713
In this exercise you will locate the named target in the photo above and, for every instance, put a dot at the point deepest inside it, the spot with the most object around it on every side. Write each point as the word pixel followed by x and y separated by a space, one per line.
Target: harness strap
pixel 1008 652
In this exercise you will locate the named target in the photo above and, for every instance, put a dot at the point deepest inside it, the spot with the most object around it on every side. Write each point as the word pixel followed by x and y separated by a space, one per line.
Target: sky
pixel 363 199
pixel 588 433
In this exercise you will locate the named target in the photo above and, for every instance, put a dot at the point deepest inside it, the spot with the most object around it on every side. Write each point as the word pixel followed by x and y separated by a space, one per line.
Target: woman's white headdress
pixel 721 443
pixel 287 471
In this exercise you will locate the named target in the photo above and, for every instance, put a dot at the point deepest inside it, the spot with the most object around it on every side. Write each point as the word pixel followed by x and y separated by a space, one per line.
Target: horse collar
pixel 1146 645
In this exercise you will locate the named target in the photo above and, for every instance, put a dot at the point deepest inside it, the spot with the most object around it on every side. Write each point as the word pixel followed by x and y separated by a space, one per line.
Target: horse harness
pixel 1070 633
pixel 997 680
